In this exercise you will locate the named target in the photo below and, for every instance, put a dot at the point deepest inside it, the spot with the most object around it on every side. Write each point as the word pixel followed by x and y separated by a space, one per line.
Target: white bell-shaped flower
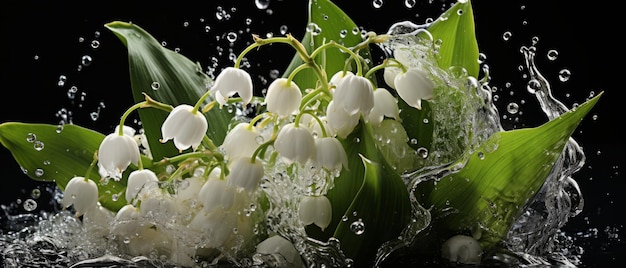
pixel 279 246
pixel 116 153
pixel 216 194
pixel 330 154
pixel 230 81
pixel 354 94
pixel 336 79
pixel 186 127
pixel 128 130
pixel 140 180
pixel 414 85
pixel 157 203
pixel 404 57
pixel 315 210
pixel 283 97
pixel 245 174
pixel 240 141
pixel 82 194
pixel 127 223
pixel 295 144
pixel 462 249
pixel 385 105
pixel 340 123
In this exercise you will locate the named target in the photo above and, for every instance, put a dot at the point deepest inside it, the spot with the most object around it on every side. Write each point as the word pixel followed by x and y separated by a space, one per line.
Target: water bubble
pixel 564 75
pixel 357 227
pixel 262 4
pixel 231 37
pixel 422 152
pixel 283 29
pixel 507 35
pixel 343 33
pixel 31 137
pixel 29 205
pixel 35 193
pixel 95 44
pixel 533 86
pixel 155 85
pixel 38 145
pixel 71 92
pixel 38 172
pixel 62 80
pixel 410 3
pixel 552 54
pixel 512 108
pixel 314 29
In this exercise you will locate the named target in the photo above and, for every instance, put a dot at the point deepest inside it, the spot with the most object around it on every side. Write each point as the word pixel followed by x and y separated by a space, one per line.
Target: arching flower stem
pixel 312 113
pixel 391 62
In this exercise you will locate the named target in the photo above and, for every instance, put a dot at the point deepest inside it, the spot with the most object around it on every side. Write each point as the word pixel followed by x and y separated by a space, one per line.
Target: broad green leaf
pixel 326 22
pixel 455 29
pixel 492 188
pixel 370 192
pixel 180 81
pixel 59 153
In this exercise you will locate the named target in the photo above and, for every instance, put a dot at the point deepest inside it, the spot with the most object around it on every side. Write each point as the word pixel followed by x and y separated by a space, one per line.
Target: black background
pixel 41 41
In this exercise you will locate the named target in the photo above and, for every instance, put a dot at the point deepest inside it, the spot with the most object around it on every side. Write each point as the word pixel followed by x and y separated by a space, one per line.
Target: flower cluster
pixel 214 190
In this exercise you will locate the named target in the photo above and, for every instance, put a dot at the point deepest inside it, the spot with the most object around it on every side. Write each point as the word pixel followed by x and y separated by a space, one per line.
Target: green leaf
pixel 493 187
pixel 455 29
pixel 64 152
pixel 326 22
pixel 180 81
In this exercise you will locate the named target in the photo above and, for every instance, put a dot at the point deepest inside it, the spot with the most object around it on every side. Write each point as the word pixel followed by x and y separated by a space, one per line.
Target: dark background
pixel 42 41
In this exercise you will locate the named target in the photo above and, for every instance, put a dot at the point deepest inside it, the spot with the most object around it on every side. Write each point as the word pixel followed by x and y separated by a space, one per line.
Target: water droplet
pixel 95 44
pixel 357 227
pixel 564 75
pixel 62 80
pixel 422 152
pixel 262 4
pixel 533 86
pixel 29 205
pixel 410 3
pixel 512 108
pixel 231 37
pixel 71 92
pixel 314 29
pixel 38 145
pixel 552 54
pixel 155 85
pixel 283 29
pixel 38 172
pixel 35 193
pixel 507 35
pixel 31 137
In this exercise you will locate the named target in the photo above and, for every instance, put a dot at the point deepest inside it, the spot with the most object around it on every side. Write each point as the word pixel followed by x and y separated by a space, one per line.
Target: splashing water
pixel 58 239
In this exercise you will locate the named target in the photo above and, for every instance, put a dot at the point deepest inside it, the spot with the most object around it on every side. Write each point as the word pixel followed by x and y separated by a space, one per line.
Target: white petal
pixel 413 86
pixel 245 174
pixel 185 127
pixel 385 104
pixel 216 194
pixel 340 123
pixel 282 98
pixel 234 80
pixel 330 153
pixel 139 180
pixel 355 94
pixel 117 152
pixel 315 209
pixel 295 144
pixel 82 194
pixel 241 141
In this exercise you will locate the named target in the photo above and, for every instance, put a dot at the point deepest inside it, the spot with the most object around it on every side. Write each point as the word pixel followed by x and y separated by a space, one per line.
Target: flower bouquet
pixel 345 160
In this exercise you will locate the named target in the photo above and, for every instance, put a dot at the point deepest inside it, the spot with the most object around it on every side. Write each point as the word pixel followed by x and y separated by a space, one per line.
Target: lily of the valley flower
pixel 241 141
pixel 245 174
pixel 385 105
pixel 140 180
pixel 216 194
pixel 355 95
pixel 283 97
pixel 295 144
pixel 317 210
pixel 462 249
pixel 340 123
pixel 185 126
pixel 230 81
pixel 414 85
pixel 217 225
pixel 82 193
pixel 278 246
pixel 336 79
pixel 116 152
pixel 330 154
